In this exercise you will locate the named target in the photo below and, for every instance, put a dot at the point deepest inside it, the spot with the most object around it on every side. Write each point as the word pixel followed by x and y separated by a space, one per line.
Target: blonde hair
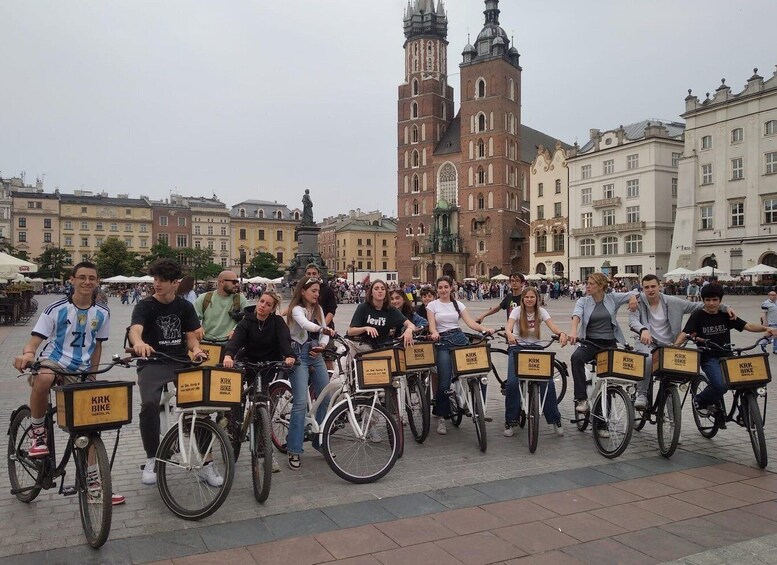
pixel 277 299
pixel 600 279
pixel 523 321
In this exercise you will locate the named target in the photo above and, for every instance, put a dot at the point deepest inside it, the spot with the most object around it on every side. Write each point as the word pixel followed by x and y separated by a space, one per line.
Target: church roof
pixel 531 139
pixel 451 140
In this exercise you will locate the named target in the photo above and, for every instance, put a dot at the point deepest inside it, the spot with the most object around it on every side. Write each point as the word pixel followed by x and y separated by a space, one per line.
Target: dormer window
pixel 242 212
pixel 279 215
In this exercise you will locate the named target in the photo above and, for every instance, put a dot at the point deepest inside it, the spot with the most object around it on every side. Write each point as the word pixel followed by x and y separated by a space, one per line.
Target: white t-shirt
pixel 533 335
pixel 659 325
pixel 445 316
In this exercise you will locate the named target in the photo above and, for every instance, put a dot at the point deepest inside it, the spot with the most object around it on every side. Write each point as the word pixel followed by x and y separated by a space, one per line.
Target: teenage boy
pixel 510 301
pixel 166 323
pixel 658 317
pixel 428 293
pixel 75 326
pixel 715 326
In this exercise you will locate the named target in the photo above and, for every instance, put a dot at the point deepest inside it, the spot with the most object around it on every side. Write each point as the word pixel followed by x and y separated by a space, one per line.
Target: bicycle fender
pixel 13 415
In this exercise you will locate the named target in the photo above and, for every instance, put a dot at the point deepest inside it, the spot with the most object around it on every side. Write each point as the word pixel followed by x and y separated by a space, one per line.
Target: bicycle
pixel 533 366
pixel 612 411
pixel 194 441
pixel 747 376
pixel 353 411
pixel 253 425
pixel 673 367
pixel 83 409
pixel 419 361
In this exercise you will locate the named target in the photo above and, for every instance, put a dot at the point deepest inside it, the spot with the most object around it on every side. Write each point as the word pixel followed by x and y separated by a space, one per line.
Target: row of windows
pixel 242 235
pixel 736 214
pixel 99 240
pixel 541 211
pixel 557 240
pixel 360 265
pixel 163 220
pixel 21 237
pixel 210 230
pixel 609 245
pixel 608 167
pixel 100 226
pixel 541 188
pixel 608 217
pixel 738 168
pixel 278 215
pixel 198 245
pixel 608 191
pixel 737 135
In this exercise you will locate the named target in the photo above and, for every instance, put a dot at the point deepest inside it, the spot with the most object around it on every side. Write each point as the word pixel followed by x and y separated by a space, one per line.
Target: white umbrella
pixel 10 264
pixel 279 280
pixel 677 272
pixel 500 277
pixel 144 278
pixel 258 280
pixel 626 275
pixel 535 277
pixel 759 269
pixel 119 279
pixel 708 272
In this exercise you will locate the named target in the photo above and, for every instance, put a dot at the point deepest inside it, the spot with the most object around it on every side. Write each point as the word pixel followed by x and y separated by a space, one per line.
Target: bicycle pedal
pixel 69 491
pixel 488 419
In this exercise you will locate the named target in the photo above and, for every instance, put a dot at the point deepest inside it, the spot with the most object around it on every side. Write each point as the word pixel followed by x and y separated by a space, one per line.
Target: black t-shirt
pixel 388 322
pixel 714 327
pixel 165 325
pixel 509 302
pixel 421 311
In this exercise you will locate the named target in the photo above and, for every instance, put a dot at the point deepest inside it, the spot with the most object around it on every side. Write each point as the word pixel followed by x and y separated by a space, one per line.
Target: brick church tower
pixel 459 175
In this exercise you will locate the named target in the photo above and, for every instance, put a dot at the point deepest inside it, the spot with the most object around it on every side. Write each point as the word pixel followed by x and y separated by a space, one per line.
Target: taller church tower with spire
pixel 461 178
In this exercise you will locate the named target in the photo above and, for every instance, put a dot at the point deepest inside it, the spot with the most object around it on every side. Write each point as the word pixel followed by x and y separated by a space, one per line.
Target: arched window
pixel 414 110
pixel 447 184
pixel 416 249
pixel 610 246
pixel 421 229
pixel 416 271
pixel 409 230
pixel 587 248
pixel 416 208
pixel 481 176
pixel 540 268
pixel 429 56
pixel 481 269
pixel 481 149
pixel 481 122
pixel 279 215
pixel 261 213
pixel 416 160
pixel 481 201
pixel 512 89
pixel 414 134
pixel 415 87
pixel 633 243
pixel 416 184
pixel 481 246
pixel 444 111
pixel 481 88
pixel 242 212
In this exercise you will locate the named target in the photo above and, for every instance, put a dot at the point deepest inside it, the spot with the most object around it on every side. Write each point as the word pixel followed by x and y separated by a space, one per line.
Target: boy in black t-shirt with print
pixel 510 301
pixel 713 325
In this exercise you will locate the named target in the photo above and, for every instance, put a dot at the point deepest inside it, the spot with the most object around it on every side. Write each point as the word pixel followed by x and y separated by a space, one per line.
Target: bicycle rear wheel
pixel 457 413
pixel 612 428
pixel 706 422
pixel 417 408
pixel 24 473
pixel 280 414
pixel 668 419
pixel 392 405
pixel 478 415
pixel 560 377
pixel 533 415
pixel 350 453
pixel 261 453
pixel 191 491
pixel 93 482
pixel 751 416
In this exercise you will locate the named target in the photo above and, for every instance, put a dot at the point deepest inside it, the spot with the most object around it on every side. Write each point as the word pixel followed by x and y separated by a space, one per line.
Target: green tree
pixel 209 271
pixel 263 265
pixel 199 263
pixel 114 258
pixel 161 250
pixel 54 263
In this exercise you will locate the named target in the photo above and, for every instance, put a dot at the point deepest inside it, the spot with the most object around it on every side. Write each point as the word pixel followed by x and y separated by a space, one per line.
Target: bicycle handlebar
pixel 706 344
pixel 36 366
pixel 624 346
pixel 160 356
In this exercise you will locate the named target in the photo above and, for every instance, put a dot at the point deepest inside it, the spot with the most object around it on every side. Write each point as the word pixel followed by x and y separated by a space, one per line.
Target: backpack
pixel 209 297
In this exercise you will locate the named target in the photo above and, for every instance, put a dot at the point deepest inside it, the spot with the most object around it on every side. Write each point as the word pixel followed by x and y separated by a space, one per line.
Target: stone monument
pixel 306 235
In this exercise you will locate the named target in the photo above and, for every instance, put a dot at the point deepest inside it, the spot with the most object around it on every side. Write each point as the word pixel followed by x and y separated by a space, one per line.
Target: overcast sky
pixel 262 99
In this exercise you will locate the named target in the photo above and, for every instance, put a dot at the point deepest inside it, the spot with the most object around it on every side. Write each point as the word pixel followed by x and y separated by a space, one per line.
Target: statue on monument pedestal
pixel 307 210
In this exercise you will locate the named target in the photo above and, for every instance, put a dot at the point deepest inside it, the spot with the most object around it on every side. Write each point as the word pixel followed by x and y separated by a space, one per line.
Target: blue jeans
pixel 766 341
pixel 513 393
pixel 716 388
pixel 299 389
pixel 445 370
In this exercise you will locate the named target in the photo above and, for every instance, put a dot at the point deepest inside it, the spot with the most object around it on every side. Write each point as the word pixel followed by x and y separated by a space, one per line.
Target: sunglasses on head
pixel 312 281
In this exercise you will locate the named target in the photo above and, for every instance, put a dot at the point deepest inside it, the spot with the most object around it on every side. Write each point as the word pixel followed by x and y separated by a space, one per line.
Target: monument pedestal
pixel 307 252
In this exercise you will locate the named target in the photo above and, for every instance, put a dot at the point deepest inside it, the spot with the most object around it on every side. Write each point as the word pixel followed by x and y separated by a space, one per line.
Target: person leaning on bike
pixel 594 320
pixel 713 325
pixel 166 323
pixel 75 326
pixel 658 317
pixel 219 311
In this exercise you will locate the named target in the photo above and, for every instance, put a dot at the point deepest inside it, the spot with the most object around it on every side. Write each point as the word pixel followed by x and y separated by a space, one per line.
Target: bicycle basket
pixel 420 356
pixel 215 353
pixel 94 405
pixel 620 364
pixel 395 354
pixel 471 359
pixel 373 372
pixel 208 386
pixel 675 363
pixel 534 365
pixel 746 371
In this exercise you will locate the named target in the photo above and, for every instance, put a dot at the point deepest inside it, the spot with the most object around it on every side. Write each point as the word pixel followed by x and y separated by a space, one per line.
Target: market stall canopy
pixel 500 277
pixel 626 275
pixel 258 280
pixel 678 272
pixel 279 280
pixel 759 269
pixel 535 277
pixel 12 265
pixel 708 272
pixel 120 279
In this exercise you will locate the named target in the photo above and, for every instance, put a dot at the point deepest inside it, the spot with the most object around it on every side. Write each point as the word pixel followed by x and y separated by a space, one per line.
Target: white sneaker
pixel 148 476
pixel 208 474
pixel 374 435
pixel 509 431
pixel 640 402
pixel 276 467
pixel 559 428
pixel 581 406
pixel 603 433
pixel 441 427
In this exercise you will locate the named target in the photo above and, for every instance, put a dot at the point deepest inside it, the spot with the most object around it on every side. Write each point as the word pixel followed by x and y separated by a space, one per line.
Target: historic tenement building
pixel 622 193
pixel 727 203
pixel 462 176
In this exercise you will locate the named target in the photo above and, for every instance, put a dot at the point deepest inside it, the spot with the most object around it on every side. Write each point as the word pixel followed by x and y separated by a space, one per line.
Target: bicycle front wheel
pixel 93 478
pixel 417 408
pixel 560 377
pixel 351 449
pixel 24 473
pixel 706 422
pixel 751 416
pixel 478 415
pixel 612 428
pixel 533 416
pixel 668 420
pixel 280 414
pixel 261 453
pixel 194 477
